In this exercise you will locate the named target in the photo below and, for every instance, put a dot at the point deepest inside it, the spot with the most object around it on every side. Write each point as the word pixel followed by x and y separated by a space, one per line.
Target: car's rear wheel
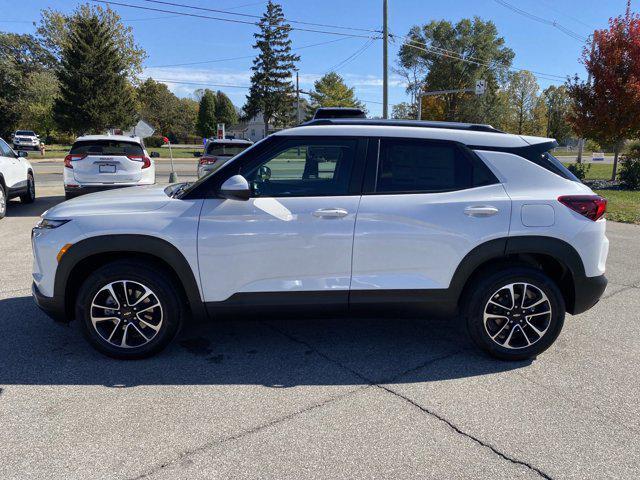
pixel 515 313
pixel 129 310
pixel 3 201
pixel 30 195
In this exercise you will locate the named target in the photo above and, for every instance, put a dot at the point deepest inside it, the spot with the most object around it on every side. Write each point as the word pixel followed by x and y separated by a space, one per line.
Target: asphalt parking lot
pixel 318 398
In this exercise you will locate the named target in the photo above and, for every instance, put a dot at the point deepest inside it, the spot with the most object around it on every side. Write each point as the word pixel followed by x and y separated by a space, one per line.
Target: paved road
pixel 337 398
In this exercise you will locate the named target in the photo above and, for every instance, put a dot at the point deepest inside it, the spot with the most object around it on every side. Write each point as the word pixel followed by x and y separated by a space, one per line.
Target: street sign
pixel 481 87
pixel 220 131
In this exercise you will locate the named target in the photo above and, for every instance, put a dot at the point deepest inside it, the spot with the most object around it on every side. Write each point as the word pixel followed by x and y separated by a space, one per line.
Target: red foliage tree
pixel 608 109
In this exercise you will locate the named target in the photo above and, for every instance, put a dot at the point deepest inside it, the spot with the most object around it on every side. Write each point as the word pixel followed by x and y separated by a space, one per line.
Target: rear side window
pixel 225 150
pixel 106 147
pixel 417 166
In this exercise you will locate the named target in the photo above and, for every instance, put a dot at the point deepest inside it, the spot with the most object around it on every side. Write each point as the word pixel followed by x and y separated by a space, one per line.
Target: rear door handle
pixel 481 211
pixel 330 213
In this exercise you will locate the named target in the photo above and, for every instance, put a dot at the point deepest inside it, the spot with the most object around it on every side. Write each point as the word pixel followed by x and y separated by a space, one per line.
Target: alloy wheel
pixel 517 315
pixel 3 202
pixel 126 314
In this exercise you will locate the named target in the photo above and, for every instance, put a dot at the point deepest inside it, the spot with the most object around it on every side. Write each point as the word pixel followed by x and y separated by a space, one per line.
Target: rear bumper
pixel 587 292
pixel 52 306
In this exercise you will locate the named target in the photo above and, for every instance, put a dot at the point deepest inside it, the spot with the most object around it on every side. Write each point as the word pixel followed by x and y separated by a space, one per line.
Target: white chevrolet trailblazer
pixel 336 215
pixel 101 162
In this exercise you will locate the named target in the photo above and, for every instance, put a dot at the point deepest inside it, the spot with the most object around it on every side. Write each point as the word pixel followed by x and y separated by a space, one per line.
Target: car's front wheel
pixel 515 313
pixel 30 195
pixel 129 310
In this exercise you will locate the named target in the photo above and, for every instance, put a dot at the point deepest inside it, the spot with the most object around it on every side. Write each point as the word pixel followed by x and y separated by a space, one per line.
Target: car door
pixel 292 241
pixel 14 176
pixel 426 205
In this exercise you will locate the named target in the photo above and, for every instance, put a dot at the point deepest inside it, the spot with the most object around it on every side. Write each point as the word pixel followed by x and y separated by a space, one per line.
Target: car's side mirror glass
pixel 235 188
pixel 22 153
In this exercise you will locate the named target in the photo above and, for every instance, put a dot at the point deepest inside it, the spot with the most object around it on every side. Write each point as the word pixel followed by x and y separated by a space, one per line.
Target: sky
pixel 171 39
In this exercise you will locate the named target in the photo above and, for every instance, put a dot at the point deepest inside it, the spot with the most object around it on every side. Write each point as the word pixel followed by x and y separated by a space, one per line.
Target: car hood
pixel 121 200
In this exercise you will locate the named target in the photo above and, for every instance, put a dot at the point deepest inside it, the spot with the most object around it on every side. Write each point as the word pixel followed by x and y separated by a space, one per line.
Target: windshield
pixel 225 149
pixel 106 147
pixel 26 133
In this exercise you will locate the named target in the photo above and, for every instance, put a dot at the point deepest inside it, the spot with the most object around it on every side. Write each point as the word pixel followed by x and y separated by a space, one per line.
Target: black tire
pixel 136 273
pixel 3 201
pixel 30 196
pixel 524 326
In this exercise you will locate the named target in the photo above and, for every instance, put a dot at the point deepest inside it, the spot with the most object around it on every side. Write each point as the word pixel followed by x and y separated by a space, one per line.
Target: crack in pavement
pixel 455 428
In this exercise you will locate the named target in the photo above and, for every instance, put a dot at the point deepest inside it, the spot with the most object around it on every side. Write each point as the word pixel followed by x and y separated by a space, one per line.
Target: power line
pixel 247 15
pixel 208 17
pixel 552 23
pixel 456 56
pixel 353 56
pixel 244 56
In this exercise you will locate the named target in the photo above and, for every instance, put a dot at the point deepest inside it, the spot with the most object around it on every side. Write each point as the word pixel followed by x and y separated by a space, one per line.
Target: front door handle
pixel 330 213
pixel 481 211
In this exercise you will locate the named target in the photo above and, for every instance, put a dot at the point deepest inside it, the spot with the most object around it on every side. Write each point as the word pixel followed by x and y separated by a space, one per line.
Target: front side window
pixel 5 150
pixel 418 166
pixel 304 168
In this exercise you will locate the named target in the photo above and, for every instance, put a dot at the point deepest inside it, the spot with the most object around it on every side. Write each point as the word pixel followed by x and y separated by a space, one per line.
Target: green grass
pixel 623 205
pixel 598 171
pixel 60 151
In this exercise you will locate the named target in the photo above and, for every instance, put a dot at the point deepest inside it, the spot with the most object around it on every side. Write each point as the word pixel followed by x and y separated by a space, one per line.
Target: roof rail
pixel 478 127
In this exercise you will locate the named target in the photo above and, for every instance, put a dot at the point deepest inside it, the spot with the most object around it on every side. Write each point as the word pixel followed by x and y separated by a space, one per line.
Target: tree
pixel 331 91
pixel 404 111
pixel 40 92
pixel 522 99
pixel 454 57
pixel 55 28
pixel 206 123
pixel 272 91
pixel 225 111
pixel 94 91
pixel 558 104
pixel 608 109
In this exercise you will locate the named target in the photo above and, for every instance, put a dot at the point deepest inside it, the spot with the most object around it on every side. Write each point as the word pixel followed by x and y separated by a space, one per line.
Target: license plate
pixel 107 168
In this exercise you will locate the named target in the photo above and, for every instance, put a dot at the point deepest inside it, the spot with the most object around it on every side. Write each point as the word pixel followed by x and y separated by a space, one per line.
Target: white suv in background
pixel 101 162
pixel 337 215
pixel 25 140
pixel 16 177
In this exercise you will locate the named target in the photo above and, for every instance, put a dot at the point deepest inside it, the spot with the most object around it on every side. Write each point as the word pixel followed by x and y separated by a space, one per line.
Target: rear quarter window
pixel 106 147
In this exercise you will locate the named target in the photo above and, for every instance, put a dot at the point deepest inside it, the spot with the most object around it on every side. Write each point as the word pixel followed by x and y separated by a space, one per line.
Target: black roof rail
pixel 478 127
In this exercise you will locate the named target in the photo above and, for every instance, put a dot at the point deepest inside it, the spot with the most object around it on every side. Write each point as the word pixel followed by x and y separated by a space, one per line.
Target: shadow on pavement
pixel 275 353
pixel 15 208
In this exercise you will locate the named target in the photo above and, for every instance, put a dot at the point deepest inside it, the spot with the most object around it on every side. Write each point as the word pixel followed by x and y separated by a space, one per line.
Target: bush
pixel 580 170
pixel 154 141
pixel 629 173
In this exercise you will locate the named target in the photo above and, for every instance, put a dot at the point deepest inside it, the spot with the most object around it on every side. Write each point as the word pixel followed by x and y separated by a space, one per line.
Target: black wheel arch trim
pixel 129 244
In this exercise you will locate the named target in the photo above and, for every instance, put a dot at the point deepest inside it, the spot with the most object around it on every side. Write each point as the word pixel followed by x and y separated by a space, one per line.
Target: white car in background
pixel 25 140
pixel 219 151
pixel 16 177
pixel 102 162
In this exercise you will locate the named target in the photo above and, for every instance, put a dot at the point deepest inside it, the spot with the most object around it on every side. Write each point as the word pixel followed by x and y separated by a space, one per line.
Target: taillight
pixel 208 160
pixel 72 158
pixel 146 161
pixel 591 206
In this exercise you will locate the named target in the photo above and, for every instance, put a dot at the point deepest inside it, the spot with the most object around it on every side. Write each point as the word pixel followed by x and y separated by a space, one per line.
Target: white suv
pixel 25 140
pixel 101 162
pixel 16 177
pixel 336 215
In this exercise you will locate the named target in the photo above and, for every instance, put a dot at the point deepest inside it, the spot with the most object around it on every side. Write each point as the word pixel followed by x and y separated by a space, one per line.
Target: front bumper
pixel 52 306
pixel 587 292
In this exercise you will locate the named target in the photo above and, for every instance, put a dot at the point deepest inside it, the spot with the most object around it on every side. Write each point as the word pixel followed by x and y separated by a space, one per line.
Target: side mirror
pixel 235 188
pixel 22 153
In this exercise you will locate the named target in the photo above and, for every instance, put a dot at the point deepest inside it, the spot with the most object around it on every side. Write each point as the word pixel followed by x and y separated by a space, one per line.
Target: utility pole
pixel 581 140
pixel 298 96
pixel 385 66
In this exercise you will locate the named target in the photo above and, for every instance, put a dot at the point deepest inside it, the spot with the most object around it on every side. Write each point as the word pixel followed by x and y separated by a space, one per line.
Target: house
pixel 252 129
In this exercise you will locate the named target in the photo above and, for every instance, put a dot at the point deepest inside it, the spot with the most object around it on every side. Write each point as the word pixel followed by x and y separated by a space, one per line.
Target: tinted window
pixel 106 147
pixel 5 150
pixel 225 150
pixel 421 166
pixel 304 168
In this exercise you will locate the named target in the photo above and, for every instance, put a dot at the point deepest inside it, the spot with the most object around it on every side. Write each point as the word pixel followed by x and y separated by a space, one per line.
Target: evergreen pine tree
pixel 94 91
pixel 225 111
pixel 272 91
pixel 331 91
pixel 206 123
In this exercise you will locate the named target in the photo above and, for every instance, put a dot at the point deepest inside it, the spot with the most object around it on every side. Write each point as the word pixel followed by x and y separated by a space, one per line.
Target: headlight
pixel 47 223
